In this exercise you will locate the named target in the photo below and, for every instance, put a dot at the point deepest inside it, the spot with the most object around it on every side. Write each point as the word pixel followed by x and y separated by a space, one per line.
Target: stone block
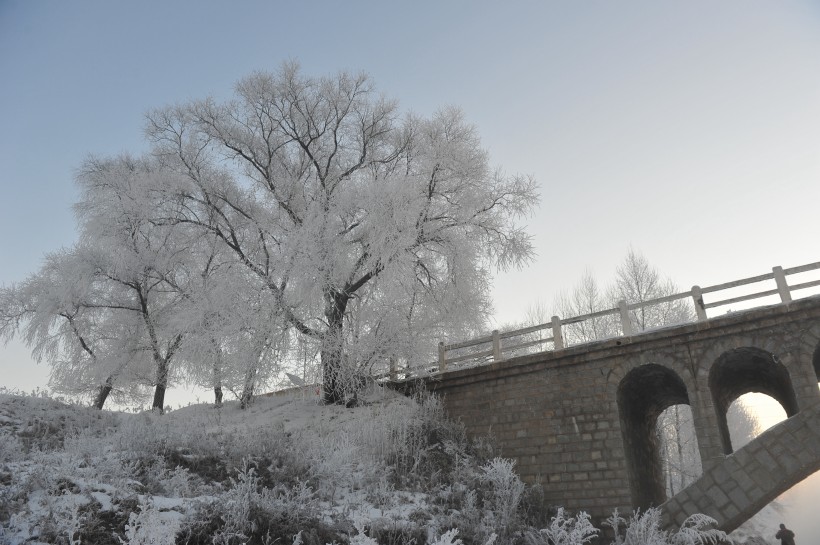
pixel 739 498
pixel 720 475
pixel 719 498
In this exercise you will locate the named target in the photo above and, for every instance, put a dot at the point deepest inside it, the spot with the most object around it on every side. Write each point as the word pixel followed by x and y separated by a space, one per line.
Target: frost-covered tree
pixel 139 264
pixel 586 297
pixel 637 281
pixel 678 446
pixel 207 301
pixel 742 422
pixel 56 312
pixel 678 443
pixel 333 200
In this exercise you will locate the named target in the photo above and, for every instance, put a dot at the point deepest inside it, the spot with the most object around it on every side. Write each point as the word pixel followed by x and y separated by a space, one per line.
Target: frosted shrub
pixel 695 531
pixel 249 511
pixel 84 445
pixel 240 500
pixel 150 526
pixel 564 530
pixel 361 538
pixel 507 490
pixel 401 434
pixel 69 521
pixel 145 434
pixel 448 538
pixel 641 529
pixel 645 529
pixel 334 462
pixel 177 481
pixel 11 449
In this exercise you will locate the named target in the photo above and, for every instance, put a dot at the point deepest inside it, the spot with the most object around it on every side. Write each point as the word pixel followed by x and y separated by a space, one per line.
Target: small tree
pixel 586 298
pixel 139 264
pixel 58 314
pixel 636 281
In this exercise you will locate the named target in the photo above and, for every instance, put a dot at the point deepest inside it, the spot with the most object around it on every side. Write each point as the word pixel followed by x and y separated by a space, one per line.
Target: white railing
pixel 491 348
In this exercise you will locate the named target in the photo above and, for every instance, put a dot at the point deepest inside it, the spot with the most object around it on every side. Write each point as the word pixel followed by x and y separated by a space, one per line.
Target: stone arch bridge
pixel 580 420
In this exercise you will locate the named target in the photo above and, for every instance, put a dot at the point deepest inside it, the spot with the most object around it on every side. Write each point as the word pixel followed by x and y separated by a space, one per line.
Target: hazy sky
pixel 687 130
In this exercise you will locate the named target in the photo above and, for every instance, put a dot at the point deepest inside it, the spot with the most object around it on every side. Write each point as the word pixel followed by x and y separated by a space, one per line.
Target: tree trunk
pixel 162 384
pixel 102 393
pixel 247 389
pixel 217 374
pixel 682 479
pixel 251 373
pixel 333 350
pixel 159 399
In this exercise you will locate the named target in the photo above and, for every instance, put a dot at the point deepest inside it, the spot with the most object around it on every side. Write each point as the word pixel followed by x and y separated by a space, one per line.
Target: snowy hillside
pixel 286 470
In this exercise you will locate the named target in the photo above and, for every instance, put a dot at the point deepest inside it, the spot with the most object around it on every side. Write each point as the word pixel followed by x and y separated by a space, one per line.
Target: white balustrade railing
pixel 491 348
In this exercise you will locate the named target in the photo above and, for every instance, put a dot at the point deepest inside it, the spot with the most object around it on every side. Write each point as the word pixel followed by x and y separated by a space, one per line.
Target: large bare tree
pixel 327 195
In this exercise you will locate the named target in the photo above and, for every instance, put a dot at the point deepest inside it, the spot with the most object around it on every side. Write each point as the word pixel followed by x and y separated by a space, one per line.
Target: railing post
pixel 394 372
pixel 626 321
pixel 697 298
pixel 442 360
pixel 496 346
pixel 782 286
pixel 557 336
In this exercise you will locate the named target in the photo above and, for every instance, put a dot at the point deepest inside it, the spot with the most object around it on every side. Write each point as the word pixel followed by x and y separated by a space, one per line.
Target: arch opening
pixel 744 370
pixel 750 415
pixel 679 451
pixel 643 394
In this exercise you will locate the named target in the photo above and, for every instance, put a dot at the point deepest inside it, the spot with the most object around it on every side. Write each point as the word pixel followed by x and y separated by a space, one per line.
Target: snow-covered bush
pixel 507 490
pixel 448 538
pixel 11 448
pixel 405 436
pixel 250 511
pixel 564 530
pixel 645 529
pixel 484 505
pixel 150 526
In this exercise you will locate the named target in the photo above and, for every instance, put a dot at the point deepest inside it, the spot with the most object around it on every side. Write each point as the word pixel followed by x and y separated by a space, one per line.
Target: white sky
pixel 687 130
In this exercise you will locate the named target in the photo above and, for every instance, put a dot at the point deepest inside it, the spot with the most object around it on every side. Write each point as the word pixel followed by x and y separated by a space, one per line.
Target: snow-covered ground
pixel 286 470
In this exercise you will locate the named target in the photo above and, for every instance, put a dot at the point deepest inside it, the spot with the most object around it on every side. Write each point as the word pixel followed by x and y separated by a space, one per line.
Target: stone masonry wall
pixel 556 413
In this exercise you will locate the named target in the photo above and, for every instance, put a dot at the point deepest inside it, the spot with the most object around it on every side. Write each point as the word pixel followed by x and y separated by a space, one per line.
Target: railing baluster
pixel 697 298
pixel 782 285
pixel 626 321
pixel 557 336
pixel 496 346
pixel 442 359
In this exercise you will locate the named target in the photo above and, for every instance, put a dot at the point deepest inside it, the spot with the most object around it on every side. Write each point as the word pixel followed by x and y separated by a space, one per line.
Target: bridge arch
pixel 748 369
pixel 642 395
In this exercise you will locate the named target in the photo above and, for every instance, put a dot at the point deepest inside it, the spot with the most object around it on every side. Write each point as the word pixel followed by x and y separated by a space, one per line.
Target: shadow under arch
pixel 743 370
pixel 815 360
pixel 643 394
